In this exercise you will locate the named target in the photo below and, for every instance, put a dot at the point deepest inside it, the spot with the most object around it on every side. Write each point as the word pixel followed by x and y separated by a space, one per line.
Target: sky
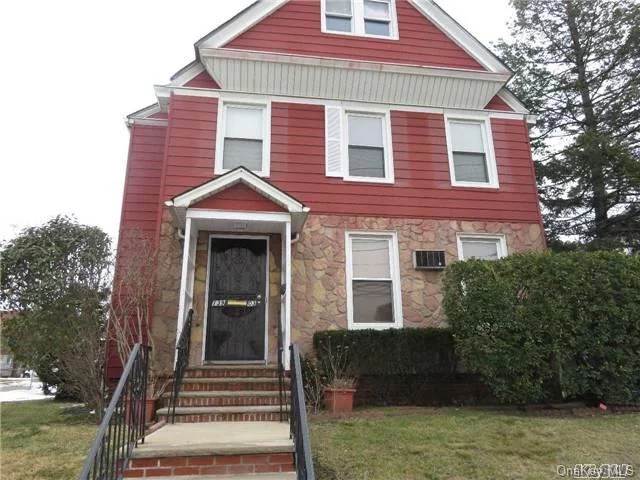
pixel 72 70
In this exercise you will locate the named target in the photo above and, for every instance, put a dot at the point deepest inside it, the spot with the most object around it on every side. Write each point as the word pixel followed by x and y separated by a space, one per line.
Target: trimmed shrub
pixel 541 327
pixel 411 366
pixel 389 352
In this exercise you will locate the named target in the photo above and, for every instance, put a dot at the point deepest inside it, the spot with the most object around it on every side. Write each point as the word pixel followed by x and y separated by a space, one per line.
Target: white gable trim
pixel 460 35
pixel 242 22
pixel 238 175
pixel 187 74
pixel 514 102
pixel 143 117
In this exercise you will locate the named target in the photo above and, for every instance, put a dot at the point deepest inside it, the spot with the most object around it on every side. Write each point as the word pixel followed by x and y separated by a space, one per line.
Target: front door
pixel 237 293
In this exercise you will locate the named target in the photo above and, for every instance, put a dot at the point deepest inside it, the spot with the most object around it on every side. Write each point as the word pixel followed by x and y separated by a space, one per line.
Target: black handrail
pixel 122 427
pixel 299 428
pixel 182 362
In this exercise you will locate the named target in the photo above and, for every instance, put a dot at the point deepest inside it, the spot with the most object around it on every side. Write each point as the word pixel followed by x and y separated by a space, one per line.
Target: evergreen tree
pixel 577 66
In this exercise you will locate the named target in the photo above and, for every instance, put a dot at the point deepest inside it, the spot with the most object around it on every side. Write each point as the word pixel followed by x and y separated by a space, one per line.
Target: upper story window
pixel 243 137
pixel 472 160
pixel 482 247
pixel 376 18
pixel 373 280
pixel 358 145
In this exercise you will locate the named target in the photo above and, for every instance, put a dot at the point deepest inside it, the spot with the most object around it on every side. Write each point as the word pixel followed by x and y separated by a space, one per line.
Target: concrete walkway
pixel 216 438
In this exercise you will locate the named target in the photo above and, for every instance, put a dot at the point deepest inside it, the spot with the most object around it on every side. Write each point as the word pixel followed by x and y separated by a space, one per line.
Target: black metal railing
pixel 182 362
pixel 281 372
pixel 122 427
pixel 299 427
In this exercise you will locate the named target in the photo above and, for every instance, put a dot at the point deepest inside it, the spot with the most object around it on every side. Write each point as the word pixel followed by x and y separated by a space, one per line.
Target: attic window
pixel 369 18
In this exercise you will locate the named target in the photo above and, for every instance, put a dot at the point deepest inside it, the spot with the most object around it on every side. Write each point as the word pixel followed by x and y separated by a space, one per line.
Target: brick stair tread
pixel 247 476
pixel 238 366
pixel 227 393
pixel 214 410
pixel 273 380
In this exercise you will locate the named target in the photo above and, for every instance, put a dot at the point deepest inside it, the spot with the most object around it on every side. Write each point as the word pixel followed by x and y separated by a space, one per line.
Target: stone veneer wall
pixel 318 275
pixel 318 267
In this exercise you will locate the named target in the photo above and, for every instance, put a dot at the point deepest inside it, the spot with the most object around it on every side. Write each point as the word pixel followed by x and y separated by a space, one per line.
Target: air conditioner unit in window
pixel 429 260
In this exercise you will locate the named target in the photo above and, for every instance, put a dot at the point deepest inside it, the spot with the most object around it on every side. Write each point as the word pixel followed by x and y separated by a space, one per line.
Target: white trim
pixel 512 101
pixel 189 248
pixel 490 156
pixel 460 35
pixel 266 134
pixel 358 21
pixel 394 266
pixel 387 144
pixel 266 294
pixel 149 122
pixel 488 237
pixel 239 216
pixel 242 22
pixel 216 185
pixel 191 72
pixel 354 64
pixel 349 104
pixel 287 294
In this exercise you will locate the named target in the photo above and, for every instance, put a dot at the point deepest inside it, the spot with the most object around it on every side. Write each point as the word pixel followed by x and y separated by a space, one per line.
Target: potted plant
pixel 341 383
pixel 338 395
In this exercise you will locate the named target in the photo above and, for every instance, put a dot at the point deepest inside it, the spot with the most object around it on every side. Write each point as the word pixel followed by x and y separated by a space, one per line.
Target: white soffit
pixel 292 75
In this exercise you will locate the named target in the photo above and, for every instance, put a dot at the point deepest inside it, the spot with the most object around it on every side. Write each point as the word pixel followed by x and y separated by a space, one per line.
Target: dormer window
pixel 370 18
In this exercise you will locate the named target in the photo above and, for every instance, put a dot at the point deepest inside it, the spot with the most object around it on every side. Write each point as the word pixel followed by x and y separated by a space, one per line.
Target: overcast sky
pixel 72 70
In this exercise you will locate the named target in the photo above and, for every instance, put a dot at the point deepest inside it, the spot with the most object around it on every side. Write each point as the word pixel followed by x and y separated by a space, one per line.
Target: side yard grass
pixel 40 441
pixel 456 444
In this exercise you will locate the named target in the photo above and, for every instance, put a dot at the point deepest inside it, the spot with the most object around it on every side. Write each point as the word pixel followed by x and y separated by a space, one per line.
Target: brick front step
pixel 231 383
pixel 233 464
pixel 268 413
pixel 226 398
pixel 236 371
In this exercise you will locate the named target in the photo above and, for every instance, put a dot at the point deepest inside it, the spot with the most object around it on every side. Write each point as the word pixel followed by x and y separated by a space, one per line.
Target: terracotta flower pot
pixel 339 400
pixel 149 409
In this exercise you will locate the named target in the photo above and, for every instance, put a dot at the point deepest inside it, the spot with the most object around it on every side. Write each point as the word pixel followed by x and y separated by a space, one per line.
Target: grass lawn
pixel 461 444
pixel 40 441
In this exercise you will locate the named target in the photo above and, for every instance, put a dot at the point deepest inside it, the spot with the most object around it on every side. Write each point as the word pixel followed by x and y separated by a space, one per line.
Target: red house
pixel 316 166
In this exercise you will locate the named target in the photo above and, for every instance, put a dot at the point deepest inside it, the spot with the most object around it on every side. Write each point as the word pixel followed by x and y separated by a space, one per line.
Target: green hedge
pixel 407 351
pixel 540 327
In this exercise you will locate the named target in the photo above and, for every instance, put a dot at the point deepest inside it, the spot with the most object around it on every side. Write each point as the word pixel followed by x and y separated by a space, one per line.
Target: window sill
pixel 374 326
pixel 493 186
pixel 223 171
pixel 362 35
pixel 387 181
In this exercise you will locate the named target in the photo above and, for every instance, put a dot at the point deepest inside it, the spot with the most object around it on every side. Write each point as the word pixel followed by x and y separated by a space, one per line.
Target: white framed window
pixel 244 137
pixel 359 145
pixel 368 18
pixel 472 161
pixel 481 246
pixel 374 298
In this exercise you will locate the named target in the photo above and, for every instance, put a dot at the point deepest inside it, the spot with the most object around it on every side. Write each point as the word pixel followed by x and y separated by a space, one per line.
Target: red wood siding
pixel 143 179
pixel 497 103
pixel 191 139
pixel 203 80
pixel 239 197
pixel 296 29
pixel 141 202
pixel 422 188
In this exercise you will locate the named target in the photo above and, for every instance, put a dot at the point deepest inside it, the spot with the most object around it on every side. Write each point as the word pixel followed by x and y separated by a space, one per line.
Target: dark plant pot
pixel 339 400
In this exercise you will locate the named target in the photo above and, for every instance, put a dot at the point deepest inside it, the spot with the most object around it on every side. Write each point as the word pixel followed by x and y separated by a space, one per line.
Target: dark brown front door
pixel 237 292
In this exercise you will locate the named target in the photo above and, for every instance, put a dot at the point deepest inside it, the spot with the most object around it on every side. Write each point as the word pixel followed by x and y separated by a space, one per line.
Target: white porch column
pixel 187 276
pixel 285 279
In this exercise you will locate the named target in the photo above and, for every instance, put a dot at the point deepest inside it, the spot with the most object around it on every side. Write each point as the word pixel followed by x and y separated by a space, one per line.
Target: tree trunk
pixel 596 160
